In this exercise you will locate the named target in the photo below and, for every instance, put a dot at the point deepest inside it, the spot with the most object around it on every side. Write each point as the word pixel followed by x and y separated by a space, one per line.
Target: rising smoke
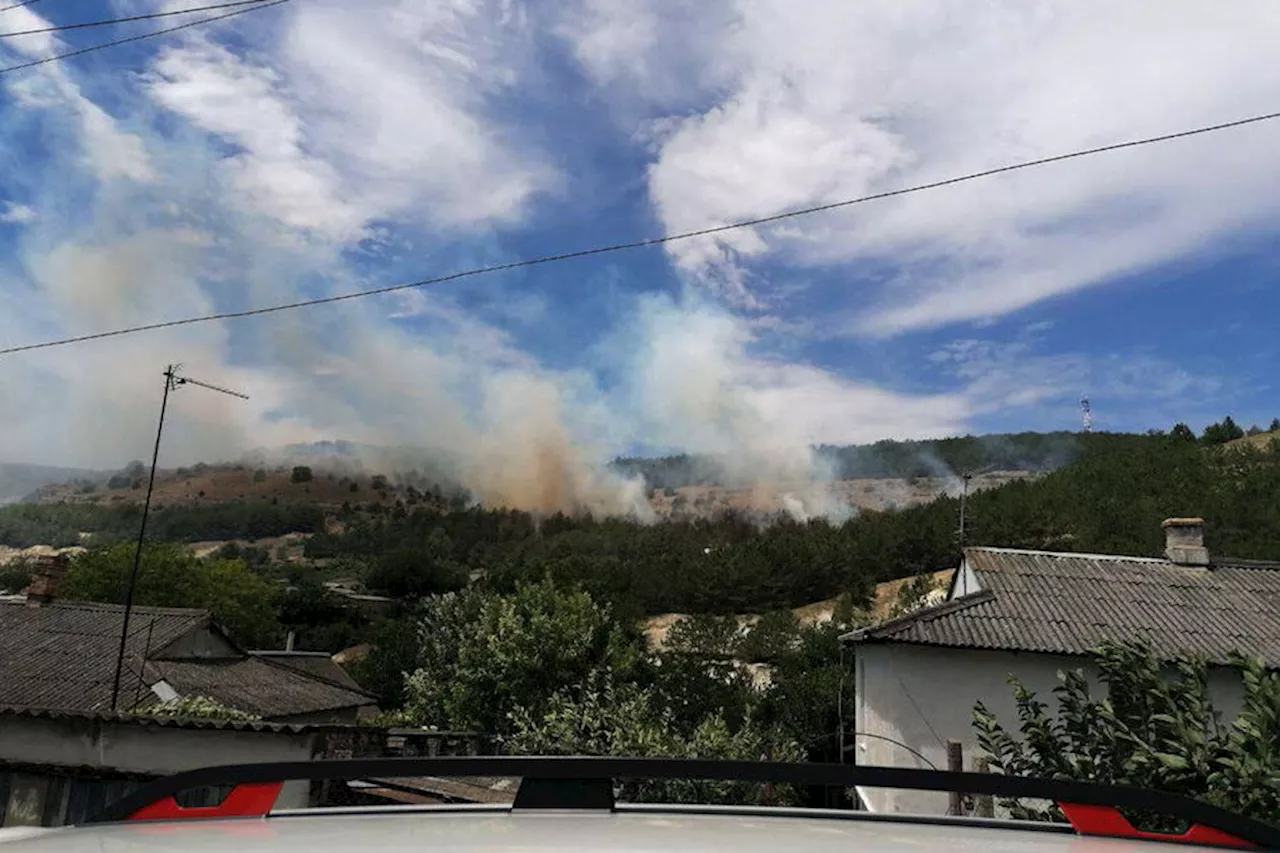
pixel 206 192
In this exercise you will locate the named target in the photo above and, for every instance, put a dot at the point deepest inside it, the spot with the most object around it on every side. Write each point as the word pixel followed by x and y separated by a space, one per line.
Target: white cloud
pixel 809 102
pixel 17 214
pixel 1018 377
pixel 351 118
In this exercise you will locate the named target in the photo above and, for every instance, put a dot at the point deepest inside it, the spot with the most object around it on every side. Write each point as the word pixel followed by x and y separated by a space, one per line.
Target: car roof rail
pixel 588 783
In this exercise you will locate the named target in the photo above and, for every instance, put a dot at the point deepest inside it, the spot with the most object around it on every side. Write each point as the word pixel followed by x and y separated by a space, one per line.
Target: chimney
pixel 1184 541
pixel 48 575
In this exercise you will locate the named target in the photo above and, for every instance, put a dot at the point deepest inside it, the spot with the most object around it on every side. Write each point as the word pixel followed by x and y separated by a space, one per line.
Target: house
pixel 61 656
pixel 1031 614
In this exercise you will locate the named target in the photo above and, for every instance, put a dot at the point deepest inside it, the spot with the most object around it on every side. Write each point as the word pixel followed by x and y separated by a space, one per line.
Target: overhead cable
pixel 57 28
pixel 18 5
pixel 640 244
pixel 266 4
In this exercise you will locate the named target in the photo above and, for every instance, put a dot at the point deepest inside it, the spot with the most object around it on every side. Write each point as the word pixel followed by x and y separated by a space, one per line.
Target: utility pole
pixel 171 382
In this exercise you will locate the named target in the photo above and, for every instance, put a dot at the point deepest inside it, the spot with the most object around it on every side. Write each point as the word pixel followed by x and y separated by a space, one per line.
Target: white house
pixel 1031 614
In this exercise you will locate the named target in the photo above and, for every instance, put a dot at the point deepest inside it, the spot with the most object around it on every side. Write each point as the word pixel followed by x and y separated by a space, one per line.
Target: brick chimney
pixel 1184 541
pixel 48 575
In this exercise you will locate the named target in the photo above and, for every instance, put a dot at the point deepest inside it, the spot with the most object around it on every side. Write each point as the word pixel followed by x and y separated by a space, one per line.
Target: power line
pixel 266 4
pixel 19 5
pixel 637 244
pixel 147 17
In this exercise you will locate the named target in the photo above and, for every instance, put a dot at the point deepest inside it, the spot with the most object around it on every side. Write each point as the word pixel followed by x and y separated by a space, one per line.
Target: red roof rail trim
pixel 251 799
pixel 1108 822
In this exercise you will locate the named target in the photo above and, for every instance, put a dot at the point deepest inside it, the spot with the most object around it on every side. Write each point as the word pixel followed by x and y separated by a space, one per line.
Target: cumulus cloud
pixel 804 103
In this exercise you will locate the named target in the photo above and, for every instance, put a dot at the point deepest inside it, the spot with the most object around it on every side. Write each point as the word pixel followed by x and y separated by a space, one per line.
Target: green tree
pixel 300 474
pixel 1182 432
pixel 705 635
pixel 15 575
pixel 414 571
pixel 811 691
pixel 774 634
pixel 1157 728
pixel 1275 425
pixel 1222 432
pixel 605 717
pixel 394 657
pixel 484 655
pixel 168 576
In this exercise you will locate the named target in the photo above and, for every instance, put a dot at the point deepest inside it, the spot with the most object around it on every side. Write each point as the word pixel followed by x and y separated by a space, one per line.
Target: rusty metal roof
pixel 1062 603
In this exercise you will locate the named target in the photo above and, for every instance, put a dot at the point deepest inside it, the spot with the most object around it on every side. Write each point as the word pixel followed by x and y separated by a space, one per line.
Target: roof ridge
pixel 1078 554
pixel 313 677
pixel 106 606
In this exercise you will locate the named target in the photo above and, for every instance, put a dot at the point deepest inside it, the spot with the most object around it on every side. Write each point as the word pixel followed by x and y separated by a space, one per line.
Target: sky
pixel 326 146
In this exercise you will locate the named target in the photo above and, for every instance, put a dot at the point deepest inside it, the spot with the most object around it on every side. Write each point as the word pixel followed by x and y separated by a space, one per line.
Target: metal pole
pixel 955 763
pixel 142 532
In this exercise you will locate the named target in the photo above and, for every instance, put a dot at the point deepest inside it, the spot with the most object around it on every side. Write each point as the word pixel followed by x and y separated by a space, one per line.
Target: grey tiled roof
pixel 317 664
pixel 1068 603
pixel 257 686
pixel 62 655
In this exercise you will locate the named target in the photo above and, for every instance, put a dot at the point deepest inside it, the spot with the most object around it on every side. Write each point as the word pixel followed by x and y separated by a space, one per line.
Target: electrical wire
pixel 266 4
pixel 636 244
pixel 19 5
pixel 60 27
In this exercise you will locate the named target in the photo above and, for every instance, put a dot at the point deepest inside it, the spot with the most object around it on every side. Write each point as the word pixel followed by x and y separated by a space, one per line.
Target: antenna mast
pixel 172 381
pixel 1086 412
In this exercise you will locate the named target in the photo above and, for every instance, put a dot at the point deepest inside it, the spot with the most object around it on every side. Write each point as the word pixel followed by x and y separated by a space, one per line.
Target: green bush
pixel 1157 728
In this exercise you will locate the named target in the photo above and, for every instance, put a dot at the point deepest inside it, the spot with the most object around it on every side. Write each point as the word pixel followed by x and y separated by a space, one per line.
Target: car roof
pixel 500 830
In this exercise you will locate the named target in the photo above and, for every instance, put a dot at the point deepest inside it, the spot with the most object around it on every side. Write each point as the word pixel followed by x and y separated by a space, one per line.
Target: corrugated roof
pixel 1064 603
pixel 62 655
pixel 316 664
pixel 257 686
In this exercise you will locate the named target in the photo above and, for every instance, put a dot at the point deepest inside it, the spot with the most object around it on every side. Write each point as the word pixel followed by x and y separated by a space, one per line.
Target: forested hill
pixel 1024 451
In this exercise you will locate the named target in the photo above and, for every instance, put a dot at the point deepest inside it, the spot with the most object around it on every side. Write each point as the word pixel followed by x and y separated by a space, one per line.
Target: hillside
pixel 338 479
pixel 1260 441
pixel 18 480
pixel 944 458
pixel 204 485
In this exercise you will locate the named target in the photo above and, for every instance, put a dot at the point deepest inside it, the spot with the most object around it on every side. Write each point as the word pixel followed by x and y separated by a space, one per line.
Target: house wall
pixel 923 696
pixel 54 746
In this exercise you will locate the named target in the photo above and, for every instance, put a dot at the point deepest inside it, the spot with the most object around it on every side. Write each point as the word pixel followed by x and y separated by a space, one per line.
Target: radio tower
pixel 1086 412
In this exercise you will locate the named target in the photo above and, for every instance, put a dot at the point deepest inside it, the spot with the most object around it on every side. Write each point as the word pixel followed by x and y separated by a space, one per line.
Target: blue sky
pixel 325 146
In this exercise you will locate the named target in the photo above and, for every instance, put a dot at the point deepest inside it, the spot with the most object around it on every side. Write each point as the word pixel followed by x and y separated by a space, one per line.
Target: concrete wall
pixel 923 696
pixel 131 747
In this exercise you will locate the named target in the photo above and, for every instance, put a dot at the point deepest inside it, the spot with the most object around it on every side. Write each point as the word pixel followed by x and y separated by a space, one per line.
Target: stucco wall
pixel 150 749
pixel 923 696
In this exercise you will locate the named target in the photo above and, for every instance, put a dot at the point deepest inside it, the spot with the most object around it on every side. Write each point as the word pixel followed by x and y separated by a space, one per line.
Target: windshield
pixel 876 384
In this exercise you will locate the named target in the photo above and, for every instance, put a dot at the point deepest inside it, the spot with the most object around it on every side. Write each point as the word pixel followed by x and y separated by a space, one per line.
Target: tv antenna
pixel 1086 414
pixel 172 381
